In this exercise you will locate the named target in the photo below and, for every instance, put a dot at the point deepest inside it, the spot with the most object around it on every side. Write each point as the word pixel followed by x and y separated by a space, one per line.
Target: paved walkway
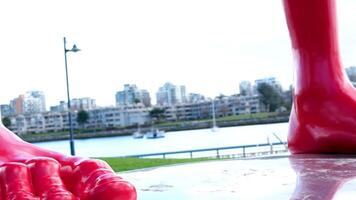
pixel 319 178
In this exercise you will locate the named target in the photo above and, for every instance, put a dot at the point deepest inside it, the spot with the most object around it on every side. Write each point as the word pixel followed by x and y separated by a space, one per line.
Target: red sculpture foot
pixel 28 172
pixel 323 117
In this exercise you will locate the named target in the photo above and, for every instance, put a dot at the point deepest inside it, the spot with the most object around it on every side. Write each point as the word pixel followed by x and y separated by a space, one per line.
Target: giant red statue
pixel 323 117
pixel 28 172
pixel 322 120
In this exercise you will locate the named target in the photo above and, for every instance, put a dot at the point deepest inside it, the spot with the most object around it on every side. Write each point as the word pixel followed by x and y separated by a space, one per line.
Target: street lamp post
pixel 71 138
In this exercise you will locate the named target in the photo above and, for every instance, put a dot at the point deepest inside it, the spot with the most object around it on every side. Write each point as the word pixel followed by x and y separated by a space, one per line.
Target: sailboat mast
pixel 213 110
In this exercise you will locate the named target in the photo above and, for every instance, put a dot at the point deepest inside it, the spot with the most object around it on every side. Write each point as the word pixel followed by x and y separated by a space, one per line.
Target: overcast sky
pixel 209 46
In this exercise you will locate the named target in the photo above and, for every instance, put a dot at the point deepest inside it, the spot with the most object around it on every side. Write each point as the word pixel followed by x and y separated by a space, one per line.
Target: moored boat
pixel 155 133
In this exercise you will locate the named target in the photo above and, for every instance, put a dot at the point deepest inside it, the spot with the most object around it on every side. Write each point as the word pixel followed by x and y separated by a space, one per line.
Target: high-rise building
pixel 245 88
pixel 34 102
pixel 17 104
pixel 170 94
pixel 132 95
pixel 62 107
pixel 82 103
pixel 85 103
pixel 196 98
pixel 145 98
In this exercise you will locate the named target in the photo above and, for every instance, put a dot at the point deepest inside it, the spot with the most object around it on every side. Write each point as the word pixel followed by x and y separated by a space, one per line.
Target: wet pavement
pixel 295 177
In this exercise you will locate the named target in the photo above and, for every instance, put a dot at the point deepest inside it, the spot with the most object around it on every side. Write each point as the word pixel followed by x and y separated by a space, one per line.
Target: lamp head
pixel 75 48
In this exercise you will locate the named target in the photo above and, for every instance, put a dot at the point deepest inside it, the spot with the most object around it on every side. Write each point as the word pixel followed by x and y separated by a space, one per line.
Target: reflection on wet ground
pixel 313 177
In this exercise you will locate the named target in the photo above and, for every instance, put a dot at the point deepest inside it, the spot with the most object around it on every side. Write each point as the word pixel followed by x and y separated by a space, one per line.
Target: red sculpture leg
pixel 323 117
pixel 28 172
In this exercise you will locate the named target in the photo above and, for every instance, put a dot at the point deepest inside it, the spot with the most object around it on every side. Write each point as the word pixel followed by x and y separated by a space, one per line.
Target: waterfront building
pixel 18 124
pixel 224 106
pixel 170 94
pixel 245 104
pixel 120 116
pixel 131 115
pixel 107 117
pixel 34 102
pixel 132 95
pixel 40 122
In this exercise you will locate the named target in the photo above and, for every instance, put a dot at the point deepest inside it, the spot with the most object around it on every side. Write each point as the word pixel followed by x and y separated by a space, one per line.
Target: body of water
pixel 174 141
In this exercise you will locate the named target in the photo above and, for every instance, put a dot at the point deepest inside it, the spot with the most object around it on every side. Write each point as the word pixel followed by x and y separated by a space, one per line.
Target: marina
pixel 174 141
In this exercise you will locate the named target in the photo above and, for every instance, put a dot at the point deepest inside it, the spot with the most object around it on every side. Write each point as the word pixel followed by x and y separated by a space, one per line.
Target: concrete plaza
pixel 295 177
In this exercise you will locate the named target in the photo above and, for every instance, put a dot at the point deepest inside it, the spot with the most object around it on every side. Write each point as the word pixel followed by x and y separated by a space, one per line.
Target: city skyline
pixel 128 96
pixel 208 46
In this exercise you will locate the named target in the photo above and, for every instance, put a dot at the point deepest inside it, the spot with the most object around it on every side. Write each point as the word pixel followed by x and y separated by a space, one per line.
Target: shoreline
pixel 183 126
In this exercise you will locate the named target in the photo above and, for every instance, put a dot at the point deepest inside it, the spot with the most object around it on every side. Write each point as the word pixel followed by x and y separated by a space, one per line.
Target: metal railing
pixel 219 153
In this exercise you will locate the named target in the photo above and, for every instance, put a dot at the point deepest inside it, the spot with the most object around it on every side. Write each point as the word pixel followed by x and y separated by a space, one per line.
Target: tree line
pixel 274 98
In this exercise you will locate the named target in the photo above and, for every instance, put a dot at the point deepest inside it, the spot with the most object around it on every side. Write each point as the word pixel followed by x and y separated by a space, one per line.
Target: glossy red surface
pixel 321 177
pixel 324 111
pixel 29 172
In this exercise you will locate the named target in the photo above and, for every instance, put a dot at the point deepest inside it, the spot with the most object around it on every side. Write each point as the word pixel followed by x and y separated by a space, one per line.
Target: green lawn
pixel 222 119
pixel 47 134
pixel 125 164
pixel 247 116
